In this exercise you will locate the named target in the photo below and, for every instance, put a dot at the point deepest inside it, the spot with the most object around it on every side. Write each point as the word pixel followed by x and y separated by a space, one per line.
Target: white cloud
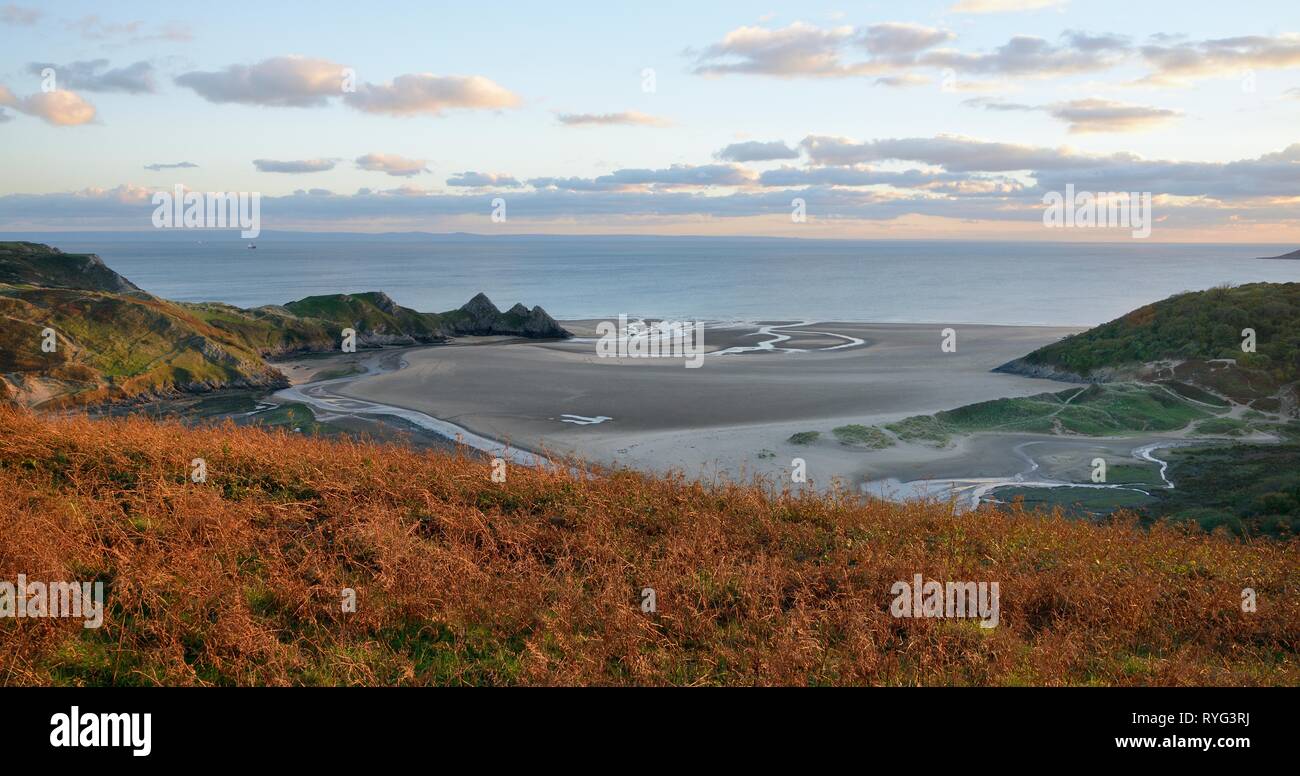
pixel 392 164
pixel 1025 55
pixel 293 81
pixel 628 118
pixel 897 38
pixel 1221 57
pixel 798 50
pixel 1003 6
pixel 471 179
pixel 423 93
pixel 294 166
pixel 60 107
pixel 91 76
pixel 304 82
pixel 678 175
pixel 1092 114
pixel 904 80
pixel 756 151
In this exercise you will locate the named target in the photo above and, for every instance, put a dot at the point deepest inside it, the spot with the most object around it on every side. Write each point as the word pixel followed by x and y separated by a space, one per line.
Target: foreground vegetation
pixel 540 579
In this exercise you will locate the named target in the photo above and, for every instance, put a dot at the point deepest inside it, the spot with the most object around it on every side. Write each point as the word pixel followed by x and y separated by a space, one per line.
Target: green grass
pixel 1075 501
pixel 1097 410
pixel 1222 427
pixel 857 435
pixel 925 429
pixel 1194 393
pixel 804 437
pixel 1247 489
pixel 1133 474
pixel 291 416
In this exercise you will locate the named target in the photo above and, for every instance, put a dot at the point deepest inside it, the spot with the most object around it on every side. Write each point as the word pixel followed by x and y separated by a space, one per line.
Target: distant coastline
pixel 692 278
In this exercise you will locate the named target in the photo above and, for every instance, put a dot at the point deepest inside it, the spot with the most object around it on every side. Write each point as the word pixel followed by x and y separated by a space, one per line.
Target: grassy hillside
pixel 1200 326
pixel 27 263
pixel 372 313
pixel 113 347
pixel 539 580
pixel 117 343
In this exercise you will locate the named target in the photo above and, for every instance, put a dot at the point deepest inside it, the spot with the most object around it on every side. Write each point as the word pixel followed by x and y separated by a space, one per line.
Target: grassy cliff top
pixel 1199 325
pixel 540 579
pixel 34 264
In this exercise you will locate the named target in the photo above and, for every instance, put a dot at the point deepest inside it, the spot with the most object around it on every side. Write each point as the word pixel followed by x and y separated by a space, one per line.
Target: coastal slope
pixel 583 578
pixel 75 332
pixel 1239 342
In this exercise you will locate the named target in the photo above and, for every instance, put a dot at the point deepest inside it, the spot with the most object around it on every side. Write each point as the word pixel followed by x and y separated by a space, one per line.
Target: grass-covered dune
pixel 539 580
pixel 1195 326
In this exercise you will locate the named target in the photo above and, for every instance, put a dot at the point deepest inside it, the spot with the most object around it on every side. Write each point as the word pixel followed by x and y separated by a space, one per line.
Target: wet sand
pixel 731 417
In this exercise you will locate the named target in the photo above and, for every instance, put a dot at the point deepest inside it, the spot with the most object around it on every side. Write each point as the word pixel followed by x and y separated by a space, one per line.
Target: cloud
pixel 896 49
pixel 18 15
pixel 1003 6
pixel 60 107
pixel 294 166
pixel 92 27
pixel 952 152
pixel 1270 175
pixel 1025 55
pixel 293 81
pixel 1219 57
pixel 304 82
pixel 957 184
pixel 1199 194
pixel 904 80
pixel 158 167
pixel 894 39
pixel 392 164
pixel 473 179
pixel 86 76
pixel 755 151
pixel 632 118
pixel 423 93
pixel 1093 114
pixel 678 175
pixel 798 50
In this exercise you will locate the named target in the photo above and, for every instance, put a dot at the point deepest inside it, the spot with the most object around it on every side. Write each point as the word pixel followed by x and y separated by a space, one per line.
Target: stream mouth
pixel 970 492
pixel 325 403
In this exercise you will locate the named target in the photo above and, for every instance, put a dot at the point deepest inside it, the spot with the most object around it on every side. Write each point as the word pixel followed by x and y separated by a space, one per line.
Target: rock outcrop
pixel 480 317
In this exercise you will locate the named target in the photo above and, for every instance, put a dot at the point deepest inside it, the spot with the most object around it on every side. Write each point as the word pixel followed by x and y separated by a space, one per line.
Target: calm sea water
pixel 686 277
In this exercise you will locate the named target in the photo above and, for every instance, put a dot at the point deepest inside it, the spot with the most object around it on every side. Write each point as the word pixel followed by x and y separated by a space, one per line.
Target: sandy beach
pixel 731 417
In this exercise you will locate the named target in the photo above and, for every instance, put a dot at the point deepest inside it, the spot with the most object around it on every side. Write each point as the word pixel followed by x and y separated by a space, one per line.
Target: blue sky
pixel 1227 97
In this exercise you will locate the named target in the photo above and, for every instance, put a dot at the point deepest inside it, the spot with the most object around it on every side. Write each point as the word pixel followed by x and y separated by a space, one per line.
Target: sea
pixel 686 278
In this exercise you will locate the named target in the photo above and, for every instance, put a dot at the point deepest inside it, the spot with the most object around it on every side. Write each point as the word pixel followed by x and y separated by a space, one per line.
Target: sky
pixel 947 119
